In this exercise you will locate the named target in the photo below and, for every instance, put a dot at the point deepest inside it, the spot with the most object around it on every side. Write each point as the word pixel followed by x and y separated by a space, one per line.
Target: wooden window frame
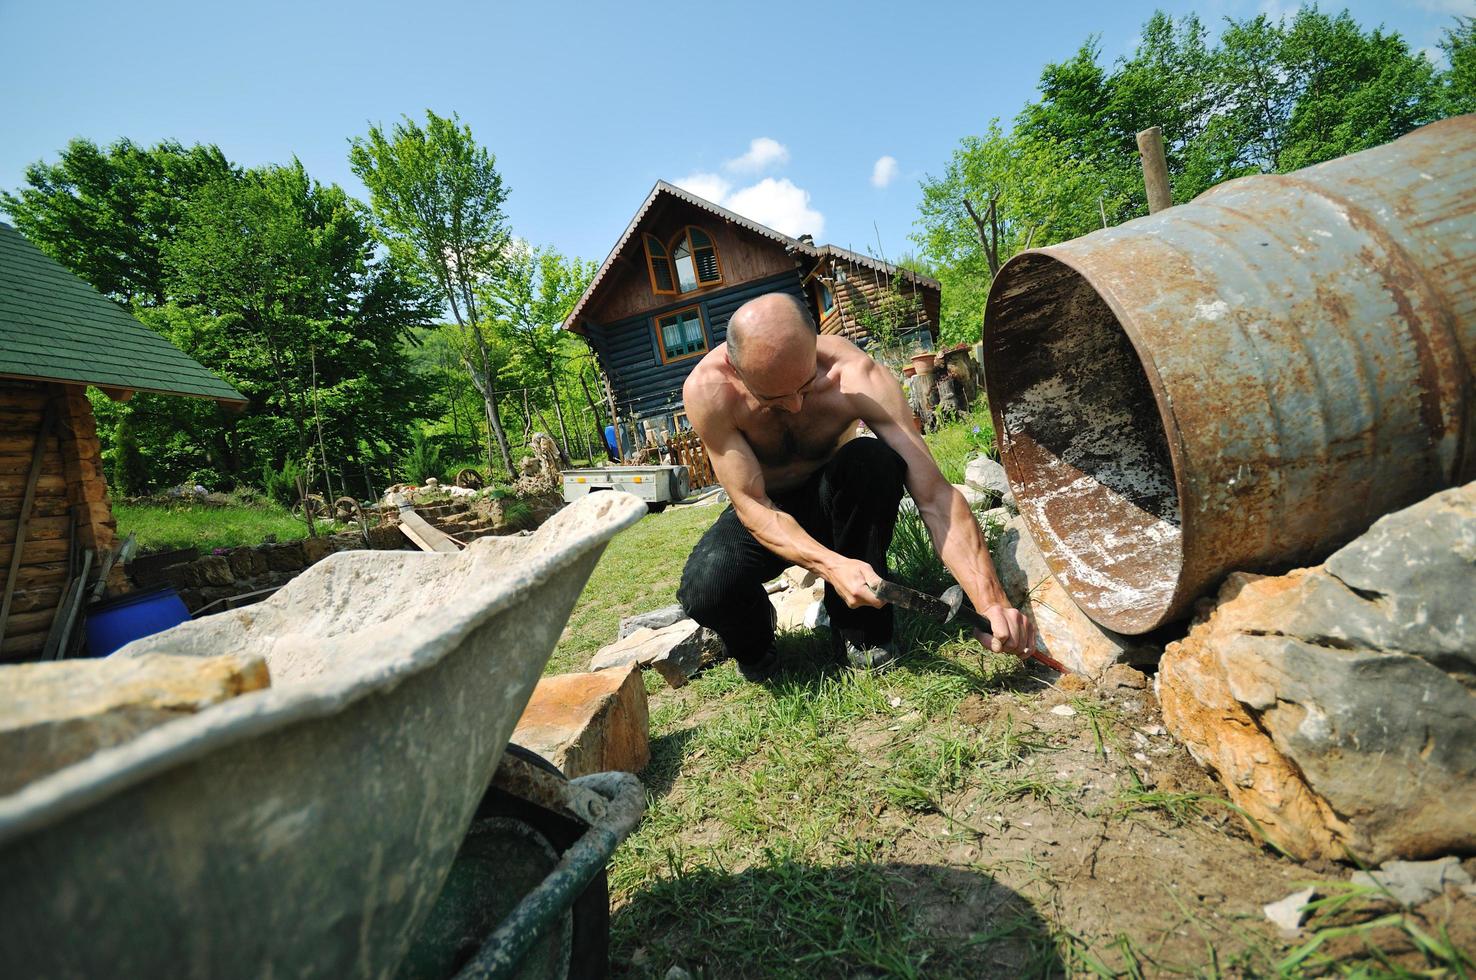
pixel 661 344
pixel 717 258
pixel 820 290
pixel 646 241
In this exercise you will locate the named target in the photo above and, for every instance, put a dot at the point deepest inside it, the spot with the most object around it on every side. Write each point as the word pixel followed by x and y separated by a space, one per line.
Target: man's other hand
pixel 1013 631
pixel 853 581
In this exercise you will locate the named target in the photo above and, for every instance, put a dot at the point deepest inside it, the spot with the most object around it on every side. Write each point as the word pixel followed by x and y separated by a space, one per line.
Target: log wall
pixel 71 502
pixel 861 288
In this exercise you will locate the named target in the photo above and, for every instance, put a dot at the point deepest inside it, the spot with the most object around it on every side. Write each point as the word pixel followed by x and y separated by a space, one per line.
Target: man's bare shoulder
pixel 708 387
pixel 855 369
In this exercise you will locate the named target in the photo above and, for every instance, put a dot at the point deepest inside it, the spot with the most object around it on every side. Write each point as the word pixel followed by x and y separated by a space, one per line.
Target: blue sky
pixel 783 109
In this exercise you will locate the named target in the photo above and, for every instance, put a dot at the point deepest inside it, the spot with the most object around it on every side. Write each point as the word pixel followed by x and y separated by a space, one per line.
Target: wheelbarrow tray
pixel 306 829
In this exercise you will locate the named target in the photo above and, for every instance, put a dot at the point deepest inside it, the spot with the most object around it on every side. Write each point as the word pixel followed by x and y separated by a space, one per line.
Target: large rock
pixel 586 723
pixel 983 473
pixel 55 713
pixel 676 652
pixel 1337 704
pixel 1063 631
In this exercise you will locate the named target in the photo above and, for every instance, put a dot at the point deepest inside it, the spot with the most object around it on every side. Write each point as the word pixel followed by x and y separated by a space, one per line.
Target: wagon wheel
pixel 512 844
pixel 313 504
pixel 470 479
pixel 347 509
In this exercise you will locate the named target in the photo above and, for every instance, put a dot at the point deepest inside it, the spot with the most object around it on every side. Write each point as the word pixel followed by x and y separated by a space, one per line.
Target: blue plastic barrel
pixel 116 622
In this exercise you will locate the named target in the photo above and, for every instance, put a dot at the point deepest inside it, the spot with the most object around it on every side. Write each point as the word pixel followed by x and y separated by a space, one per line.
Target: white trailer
pixel 656 485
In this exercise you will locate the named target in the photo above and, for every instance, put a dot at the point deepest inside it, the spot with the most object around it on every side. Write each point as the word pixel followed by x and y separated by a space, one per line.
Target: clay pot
pixel 923 363
pixel 908 371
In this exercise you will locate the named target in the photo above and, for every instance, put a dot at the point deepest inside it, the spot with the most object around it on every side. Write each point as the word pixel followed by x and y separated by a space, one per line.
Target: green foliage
pixel 107 214
pixel 1264 97
pixel 437 202
pixel 266 277
pixel 1459 45
pixel 281 483
pixel 422 460
pixel 129 475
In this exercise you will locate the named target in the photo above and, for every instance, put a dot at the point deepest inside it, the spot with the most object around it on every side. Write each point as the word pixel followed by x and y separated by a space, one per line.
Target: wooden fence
pixel 686 449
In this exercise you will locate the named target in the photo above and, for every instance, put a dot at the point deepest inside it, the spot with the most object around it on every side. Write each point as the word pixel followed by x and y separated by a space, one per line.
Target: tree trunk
pixel 553 387
pixel 484 382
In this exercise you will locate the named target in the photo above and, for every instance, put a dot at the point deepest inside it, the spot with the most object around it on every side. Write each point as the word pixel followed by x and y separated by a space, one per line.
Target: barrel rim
pixel 1058 254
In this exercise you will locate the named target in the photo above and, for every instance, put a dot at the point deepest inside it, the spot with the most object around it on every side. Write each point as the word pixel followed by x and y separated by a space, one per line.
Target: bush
pixel 422 461
pixel 281 485
pixel 130 474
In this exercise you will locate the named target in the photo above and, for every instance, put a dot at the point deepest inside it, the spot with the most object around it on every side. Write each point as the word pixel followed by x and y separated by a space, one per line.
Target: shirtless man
pixel 776 406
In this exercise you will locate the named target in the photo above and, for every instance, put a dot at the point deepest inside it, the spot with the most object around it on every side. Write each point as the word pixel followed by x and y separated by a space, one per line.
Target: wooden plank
pixel 34 553
pixel 424 536
pixel 16 546
pixel 24 646
pixel 31 622
pixel 37 529
pixel 36 600
pixel 51 504
pixel 41 574
pixel 17 465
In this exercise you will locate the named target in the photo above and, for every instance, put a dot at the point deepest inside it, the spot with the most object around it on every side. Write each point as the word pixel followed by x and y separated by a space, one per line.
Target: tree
pixel 1266 97
pixel 537 289
pixel 437 201
pixel 1459 88
pixel 301 313
pixel 107 214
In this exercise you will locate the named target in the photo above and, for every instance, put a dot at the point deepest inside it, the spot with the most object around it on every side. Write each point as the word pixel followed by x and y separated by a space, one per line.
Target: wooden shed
pixel 663 296
pixel 57 336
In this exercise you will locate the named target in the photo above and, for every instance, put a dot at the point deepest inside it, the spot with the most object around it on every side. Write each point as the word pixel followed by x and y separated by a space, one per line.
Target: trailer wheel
pixel 511 846
pixel 655 506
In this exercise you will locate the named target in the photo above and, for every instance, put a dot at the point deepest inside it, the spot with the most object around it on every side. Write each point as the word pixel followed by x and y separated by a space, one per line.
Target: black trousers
pixel 849 505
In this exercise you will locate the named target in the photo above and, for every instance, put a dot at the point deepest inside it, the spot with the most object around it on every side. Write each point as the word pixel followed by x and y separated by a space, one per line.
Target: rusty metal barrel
pixel 1243 382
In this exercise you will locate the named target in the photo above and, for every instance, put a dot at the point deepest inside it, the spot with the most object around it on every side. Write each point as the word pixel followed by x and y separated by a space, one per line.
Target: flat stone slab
pixel 676 652
pixel 585 723
pixel 55 713
pixel 654 620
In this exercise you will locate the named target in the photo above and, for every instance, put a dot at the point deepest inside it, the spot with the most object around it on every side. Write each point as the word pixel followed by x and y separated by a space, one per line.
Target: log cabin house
pixel 57 336
pixel 663 296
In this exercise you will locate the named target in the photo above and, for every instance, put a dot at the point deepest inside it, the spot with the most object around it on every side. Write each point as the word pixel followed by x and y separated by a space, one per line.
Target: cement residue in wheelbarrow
pixel 304 830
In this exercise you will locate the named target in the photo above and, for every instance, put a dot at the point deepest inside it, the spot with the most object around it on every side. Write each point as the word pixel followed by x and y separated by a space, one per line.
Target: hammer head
pixel 954 596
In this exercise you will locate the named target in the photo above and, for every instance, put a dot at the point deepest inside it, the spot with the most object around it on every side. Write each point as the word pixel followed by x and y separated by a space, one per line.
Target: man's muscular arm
pixel 738 470
pixel 948 517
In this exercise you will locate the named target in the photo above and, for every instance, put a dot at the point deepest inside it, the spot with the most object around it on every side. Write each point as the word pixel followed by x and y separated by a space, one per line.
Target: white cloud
pixel 710 186
pixel 884 171
pixel 1277 11
pixel 780 205
pixel 763 153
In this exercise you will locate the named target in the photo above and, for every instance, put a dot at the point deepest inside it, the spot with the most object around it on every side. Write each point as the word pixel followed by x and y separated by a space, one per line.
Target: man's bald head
pixel 770 329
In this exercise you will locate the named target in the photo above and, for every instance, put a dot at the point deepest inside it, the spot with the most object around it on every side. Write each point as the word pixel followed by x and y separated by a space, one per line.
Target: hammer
pixel 951 605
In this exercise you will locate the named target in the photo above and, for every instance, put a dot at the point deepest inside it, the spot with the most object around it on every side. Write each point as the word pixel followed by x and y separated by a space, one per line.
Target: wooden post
pixel 1155 170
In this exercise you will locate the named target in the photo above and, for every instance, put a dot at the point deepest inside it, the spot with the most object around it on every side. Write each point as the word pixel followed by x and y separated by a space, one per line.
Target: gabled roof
pixel 55 327
pixel 871 262
pixel 662 188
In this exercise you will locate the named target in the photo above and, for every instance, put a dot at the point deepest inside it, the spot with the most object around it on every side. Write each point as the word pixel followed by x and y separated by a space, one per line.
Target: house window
pixel 826 298
pixel 680 334
pixel 688 262
pixel 658 264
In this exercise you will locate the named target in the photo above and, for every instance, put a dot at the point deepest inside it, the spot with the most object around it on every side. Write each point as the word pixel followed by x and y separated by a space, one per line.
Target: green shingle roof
pixel 55 327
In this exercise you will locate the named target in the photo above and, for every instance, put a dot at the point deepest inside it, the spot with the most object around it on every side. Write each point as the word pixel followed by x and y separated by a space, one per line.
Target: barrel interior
pixel 1083 442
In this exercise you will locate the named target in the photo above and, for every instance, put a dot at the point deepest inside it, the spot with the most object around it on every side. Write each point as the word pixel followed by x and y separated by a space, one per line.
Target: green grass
pixel 186 524
pixel 809 827
pixel 639 571
pixel 955 445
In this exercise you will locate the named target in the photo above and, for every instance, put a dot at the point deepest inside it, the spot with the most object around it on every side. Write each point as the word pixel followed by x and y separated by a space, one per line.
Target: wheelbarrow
pixel 311 828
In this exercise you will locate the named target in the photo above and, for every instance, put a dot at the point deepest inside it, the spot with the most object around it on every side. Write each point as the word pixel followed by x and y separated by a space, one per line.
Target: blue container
pixel 116 622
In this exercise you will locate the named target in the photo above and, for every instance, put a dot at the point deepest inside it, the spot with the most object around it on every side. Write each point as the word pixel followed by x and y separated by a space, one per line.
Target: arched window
pixel 689 263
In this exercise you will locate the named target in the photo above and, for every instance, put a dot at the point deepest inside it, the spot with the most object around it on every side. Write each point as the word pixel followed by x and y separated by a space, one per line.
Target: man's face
pixel 783 389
